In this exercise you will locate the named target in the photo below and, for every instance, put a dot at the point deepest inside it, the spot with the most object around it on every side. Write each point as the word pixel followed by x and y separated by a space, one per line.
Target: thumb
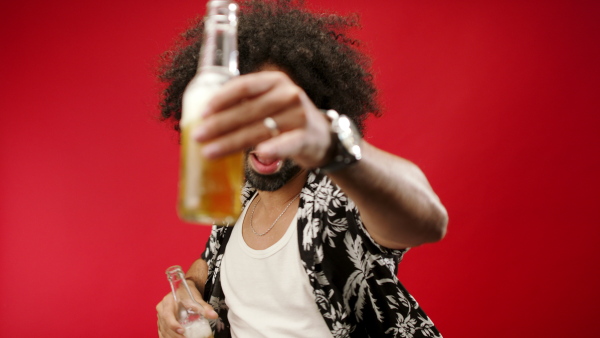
pixel 285 145
pixel 199 305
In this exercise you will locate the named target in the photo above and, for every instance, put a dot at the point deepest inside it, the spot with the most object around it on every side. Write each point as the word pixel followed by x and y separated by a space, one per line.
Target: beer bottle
pixel 209 190
pixel 194 324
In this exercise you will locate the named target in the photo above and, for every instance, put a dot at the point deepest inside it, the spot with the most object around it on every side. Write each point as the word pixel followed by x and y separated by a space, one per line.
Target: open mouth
pixel 264 166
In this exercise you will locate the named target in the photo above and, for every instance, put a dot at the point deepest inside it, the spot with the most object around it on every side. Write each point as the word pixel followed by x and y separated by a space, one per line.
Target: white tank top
pixel 267 291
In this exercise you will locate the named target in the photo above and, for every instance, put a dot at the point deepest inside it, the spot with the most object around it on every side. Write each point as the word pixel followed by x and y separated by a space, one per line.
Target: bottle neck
pixel 176 277
pixel 186 306
pixel 219 46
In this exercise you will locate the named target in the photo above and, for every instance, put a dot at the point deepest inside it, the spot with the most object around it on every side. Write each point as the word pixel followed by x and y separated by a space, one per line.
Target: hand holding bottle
pixel 180 308
pixel 235 120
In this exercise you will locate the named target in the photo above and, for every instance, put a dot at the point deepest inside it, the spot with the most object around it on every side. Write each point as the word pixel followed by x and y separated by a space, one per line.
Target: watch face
pixel 347 146
pixel 349 136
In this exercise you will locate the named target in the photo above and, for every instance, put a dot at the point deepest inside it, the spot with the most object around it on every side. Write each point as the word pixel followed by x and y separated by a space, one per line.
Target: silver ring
pixel 272 125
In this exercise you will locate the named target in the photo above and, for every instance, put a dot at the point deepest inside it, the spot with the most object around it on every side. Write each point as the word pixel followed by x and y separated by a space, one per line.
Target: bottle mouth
pixel 215 3
pixel 174 273
pixel 223 11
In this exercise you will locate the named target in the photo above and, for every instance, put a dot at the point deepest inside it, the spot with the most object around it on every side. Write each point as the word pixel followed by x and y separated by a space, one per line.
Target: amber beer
pixel 209 190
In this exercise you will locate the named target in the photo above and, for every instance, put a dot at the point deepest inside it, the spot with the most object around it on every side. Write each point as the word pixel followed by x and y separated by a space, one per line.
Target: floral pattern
pixel 353 278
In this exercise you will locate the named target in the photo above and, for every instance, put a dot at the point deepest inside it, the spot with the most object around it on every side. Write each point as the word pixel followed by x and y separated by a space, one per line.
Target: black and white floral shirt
pixel 353 278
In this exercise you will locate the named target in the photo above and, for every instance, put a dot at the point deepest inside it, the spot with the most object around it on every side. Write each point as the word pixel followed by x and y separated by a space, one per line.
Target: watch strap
pixel 341 157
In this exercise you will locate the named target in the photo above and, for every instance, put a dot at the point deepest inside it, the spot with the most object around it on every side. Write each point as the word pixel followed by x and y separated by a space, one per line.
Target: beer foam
pixel 198 329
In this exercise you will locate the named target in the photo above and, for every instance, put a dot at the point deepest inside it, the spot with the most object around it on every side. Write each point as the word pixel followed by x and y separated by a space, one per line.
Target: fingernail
pixel 200 133
pixel 180 331
pixel 265 151
pixel 210 150
pixel 206 111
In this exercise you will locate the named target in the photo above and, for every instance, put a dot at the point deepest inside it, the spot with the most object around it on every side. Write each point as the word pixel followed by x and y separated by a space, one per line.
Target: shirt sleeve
pixel 212 247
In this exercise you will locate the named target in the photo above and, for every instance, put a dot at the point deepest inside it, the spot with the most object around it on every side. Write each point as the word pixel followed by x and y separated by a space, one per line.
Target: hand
pixel 234 119
pixel 168 326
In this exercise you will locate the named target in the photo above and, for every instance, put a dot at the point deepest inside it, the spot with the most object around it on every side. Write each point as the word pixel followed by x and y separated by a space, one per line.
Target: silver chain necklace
pixel 277 219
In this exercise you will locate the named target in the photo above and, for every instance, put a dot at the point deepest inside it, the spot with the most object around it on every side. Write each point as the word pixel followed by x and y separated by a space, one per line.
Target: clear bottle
pixel 209 190
pixel 194 324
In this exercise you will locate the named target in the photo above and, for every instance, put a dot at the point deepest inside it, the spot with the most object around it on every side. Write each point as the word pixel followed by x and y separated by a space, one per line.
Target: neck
pixel 282 196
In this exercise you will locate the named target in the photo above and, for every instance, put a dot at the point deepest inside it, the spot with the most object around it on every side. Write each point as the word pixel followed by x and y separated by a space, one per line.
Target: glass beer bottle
pixel 209 190
pixel 194 324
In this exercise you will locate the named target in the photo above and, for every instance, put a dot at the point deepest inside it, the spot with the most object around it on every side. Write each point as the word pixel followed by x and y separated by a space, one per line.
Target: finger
pixel 201 307
pixel 166 331
pixel 209 311
pixel 204 309
pixel 296 145
pixel 285 146
pixel 168 324
pixel 171 329
pixel 245 113
pixel 242 88
pixel 167 334
pixel 253 134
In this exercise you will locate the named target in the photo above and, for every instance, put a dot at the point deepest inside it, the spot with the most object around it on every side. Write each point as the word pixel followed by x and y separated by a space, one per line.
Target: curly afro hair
pixel 313 49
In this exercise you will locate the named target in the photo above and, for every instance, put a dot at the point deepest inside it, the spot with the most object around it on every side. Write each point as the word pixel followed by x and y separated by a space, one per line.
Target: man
pixel 327 216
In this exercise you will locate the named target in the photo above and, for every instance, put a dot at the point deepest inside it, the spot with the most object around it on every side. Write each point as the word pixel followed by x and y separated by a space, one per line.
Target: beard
pixel 273 181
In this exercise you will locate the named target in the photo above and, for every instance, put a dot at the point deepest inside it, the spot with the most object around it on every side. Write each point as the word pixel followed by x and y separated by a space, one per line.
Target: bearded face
pixel 268 180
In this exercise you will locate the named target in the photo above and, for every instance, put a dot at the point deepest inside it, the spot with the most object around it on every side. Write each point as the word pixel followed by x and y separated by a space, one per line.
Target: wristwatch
pixel 346 139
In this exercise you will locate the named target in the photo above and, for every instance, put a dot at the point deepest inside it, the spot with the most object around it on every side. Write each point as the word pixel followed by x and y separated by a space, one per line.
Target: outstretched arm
pixel 397 204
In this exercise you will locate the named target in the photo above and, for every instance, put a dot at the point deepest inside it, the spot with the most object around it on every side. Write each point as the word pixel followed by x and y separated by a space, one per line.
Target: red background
pixel 497 101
